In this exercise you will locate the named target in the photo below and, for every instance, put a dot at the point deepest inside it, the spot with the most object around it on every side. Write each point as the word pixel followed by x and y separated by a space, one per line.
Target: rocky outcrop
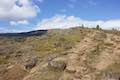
pixel 57 64
pixel 99 36
pixel 31 63
pixel 111 76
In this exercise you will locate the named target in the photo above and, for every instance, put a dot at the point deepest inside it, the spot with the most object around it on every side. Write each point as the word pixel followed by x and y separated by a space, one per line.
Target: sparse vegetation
pixel 94 54
pixel 3 61
pixel 87 52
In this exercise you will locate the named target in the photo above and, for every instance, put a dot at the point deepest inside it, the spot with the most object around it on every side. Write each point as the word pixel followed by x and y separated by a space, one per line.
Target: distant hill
pixel 24 34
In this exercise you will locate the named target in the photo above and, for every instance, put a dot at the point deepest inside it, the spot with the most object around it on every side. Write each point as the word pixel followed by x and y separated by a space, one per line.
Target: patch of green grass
pixel 94 54
pixel 115 68
pixel 56 43
pixel 72 38
pixel 3 61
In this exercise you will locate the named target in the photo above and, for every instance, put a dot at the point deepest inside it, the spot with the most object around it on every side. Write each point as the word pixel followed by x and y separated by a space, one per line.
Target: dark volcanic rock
pixel 31 63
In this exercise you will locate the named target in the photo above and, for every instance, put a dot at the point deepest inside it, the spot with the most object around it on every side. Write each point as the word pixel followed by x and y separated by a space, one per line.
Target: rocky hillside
pixel 70 54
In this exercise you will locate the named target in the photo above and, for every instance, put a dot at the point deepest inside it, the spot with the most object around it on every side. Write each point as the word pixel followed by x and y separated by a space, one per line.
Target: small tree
pixel 82 26
pixel 98 27
pixel 113 29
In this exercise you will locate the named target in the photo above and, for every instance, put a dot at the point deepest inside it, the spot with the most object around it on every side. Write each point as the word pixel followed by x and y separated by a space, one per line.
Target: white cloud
pixel 16 10
pixel 64 22
pixel 14 23
pixel 112 24
pixel 2 30
pixel 11 30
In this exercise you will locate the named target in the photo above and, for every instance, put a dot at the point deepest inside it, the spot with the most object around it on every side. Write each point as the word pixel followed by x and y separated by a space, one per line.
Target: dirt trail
pixel 76 60
pixel 110 55
pixel 77 66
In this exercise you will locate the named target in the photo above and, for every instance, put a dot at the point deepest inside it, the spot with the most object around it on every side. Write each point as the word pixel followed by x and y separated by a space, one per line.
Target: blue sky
pixel 27 15
pixel 85 9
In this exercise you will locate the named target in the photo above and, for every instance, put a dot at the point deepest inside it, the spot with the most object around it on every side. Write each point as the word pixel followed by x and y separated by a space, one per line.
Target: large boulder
pixel 57 64
pixel 112 76
pixel 31 63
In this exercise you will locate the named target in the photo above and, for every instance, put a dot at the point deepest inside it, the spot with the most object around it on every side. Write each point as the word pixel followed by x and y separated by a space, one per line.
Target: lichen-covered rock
pixel 57 64
pixel 112 76
pixel 70 69
pixel 99 36
pixel 31 63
